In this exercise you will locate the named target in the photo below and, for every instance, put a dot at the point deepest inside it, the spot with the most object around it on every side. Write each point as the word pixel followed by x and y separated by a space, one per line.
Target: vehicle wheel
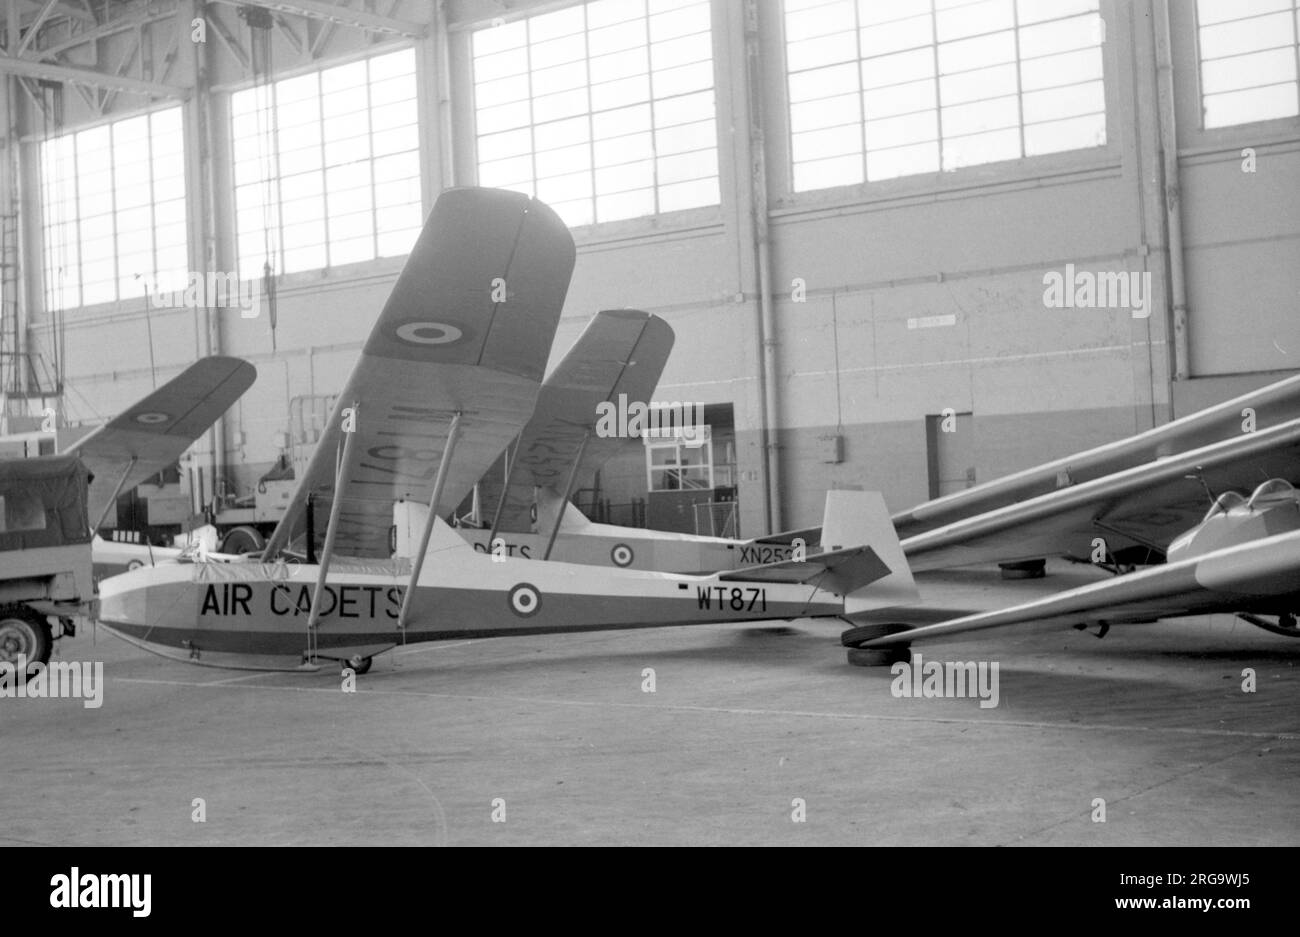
pixel 26 633
pixel 854 637
pixel 359 665
pixel 242 540
pixel 879 656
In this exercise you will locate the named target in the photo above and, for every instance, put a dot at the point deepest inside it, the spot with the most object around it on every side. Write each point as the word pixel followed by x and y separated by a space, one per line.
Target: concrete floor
pixel 744 720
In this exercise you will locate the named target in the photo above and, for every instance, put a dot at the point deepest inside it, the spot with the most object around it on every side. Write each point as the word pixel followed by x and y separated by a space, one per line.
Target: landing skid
pixel 1285 626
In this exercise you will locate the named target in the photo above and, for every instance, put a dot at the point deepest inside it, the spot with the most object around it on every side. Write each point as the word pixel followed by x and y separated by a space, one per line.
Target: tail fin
pixel 549 503
pixel 860 517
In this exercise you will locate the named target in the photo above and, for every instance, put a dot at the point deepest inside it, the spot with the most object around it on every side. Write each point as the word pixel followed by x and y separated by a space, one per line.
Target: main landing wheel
pixel 875 656
pixel 359 665
pixel 24 633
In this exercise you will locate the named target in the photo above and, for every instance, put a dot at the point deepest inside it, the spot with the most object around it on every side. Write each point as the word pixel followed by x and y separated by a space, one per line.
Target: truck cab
pixel 45 564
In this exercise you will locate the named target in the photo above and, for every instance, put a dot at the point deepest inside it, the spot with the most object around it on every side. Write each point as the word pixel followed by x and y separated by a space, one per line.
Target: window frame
pixel 683 221
pixel 1284 124
pixel 36 152
pixel 1115 50
pixel 382 265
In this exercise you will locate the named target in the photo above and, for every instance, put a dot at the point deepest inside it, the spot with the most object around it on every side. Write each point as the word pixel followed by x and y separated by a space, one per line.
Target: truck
pixel 46 575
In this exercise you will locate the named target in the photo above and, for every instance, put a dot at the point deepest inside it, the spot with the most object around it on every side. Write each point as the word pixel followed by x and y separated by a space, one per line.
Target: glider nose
pixel 123 599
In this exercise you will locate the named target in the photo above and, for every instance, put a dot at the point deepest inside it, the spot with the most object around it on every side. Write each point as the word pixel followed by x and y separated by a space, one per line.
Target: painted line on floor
pixel 740 711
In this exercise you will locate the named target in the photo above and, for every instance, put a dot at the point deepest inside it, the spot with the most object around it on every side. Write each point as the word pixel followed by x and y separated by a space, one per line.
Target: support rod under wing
pixel 112 501
pixel 564 498
pixel 417 559
pixel 331 532
pixel 511 453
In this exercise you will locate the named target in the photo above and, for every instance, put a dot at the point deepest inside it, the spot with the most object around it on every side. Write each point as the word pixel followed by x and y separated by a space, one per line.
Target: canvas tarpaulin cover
pixel 43 502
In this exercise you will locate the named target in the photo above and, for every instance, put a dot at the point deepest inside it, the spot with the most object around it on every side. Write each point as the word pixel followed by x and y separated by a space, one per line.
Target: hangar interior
pixel 849 212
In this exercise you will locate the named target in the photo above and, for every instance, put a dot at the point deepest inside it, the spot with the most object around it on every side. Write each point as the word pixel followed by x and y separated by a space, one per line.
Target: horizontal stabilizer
pixel 839 571
pixel 811 536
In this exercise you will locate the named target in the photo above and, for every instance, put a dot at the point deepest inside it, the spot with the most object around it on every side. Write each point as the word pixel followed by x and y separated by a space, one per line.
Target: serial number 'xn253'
pixel 734 597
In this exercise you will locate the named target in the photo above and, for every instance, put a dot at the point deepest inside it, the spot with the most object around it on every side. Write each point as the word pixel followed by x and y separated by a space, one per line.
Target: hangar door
pixel 950 452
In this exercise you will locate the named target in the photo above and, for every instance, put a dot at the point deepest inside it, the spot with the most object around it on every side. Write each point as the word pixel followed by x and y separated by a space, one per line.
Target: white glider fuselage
pixel 254 609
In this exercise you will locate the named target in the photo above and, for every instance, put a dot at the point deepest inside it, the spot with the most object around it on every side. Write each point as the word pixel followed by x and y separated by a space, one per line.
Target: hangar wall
pixel 894 300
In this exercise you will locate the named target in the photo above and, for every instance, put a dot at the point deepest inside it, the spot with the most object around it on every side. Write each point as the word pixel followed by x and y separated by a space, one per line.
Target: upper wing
pixel 1150 504
pixel 467 329
pixel 156 431
pixel 1275 404
pixel 1262 576
pixel 620 353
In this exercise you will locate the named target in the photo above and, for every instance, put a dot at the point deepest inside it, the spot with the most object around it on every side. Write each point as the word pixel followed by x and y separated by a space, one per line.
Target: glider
pixel 449 377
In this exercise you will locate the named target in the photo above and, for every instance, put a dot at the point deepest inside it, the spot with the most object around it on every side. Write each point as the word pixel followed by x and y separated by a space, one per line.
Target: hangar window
pixel 881 90
pixel 113 210
pixel 1249 56
pixel 675 461
pixel 604 110
pixel 327 166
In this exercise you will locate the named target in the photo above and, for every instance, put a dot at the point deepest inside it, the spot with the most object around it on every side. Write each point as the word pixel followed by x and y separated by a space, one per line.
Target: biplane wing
pixel 621 353
pixel 457 355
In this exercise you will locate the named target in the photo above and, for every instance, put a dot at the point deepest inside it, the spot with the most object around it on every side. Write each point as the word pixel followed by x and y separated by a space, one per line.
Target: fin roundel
pixel 428 333
pixel 525 600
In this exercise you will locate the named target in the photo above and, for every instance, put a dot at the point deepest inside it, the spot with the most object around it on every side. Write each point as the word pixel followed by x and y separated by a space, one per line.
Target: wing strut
pixel 564 499
pixel 417 559
pixel 112 501
pixel 341 474
pixel 511 452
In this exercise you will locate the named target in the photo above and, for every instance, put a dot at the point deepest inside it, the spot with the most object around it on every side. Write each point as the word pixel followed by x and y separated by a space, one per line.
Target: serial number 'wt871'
pixel 735 598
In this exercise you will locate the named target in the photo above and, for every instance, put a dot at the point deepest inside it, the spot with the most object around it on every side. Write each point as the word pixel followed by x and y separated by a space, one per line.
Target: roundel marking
pixel 525 600
pixel 428 333
pixel 151 418
pixel 622 555
pixel 134 565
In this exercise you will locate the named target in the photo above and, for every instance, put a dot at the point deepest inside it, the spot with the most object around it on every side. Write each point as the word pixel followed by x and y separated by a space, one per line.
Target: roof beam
pixel 35 28
pixel 334 13
pixel 82 76
pixel 60 8
pixel 107 29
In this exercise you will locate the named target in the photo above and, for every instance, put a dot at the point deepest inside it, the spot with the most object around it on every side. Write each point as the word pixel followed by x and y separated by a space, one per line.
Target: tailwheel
pixel 359 664
pixel 24 633
pixel 1286 624
pixel 875 656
